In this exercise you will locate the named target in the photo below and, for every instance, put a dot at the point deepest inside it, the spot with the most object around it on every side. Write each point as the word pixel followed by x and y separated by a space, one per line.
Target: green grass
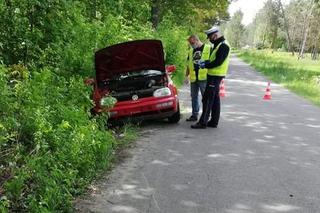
pixel 300 76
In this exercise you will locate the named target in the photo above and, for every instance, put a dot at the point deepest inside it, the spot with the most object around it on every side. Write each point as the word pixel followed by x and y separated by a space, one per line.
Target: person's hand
pixel 203 64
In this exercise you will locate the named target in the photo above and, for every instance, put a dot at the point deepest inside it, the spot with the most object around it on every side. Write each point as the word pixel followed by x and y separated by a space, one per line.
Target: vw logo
pixel 135 97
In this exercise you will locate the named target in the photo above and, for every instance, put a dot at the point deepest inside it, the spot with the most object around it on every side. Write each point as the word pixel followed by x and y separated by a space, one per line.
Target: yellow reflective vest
pixel 223 68
pixel 202 74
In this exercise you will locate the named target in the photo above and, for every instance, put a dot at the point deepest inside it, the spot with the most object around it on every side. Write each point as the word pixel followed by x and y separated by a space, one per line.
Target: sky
pixel 249 8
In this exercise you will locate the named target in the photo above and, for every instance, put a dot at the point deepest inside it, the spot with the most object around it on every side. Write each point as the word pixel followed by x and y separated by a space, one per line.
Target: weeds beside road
pixel 301 76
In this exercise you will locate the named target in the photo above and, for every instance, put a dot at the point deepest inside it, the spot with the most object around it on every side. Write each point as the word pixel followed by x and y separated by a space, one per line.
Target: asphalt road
pixel 263 157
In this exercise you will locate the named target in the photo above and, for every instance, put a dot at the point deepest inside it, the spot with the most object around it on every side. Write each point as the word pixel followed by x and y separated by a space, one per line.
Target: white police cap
pixel 212 30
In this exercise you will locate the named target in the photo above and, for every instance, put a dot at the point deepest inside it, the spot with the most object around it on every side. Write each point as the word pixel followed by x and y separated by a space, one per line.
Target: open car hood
pixel 129 57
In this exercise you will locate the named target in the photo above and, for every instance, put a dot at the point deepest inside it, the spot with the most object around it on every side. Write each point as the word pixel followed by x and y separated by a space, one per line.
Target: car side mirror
pixel 170 69
pixel 89 81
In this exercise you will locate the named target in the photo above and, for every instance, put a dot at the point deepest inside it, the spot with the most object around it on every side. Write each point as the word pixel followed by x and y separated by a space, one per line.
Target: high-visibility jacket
pixel 202 74
pixel 223 68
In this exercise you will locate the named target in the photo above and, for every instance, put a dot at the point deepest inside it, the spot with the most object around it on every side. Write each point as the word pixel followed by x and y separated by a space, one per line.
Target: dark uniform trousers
pixel 211 101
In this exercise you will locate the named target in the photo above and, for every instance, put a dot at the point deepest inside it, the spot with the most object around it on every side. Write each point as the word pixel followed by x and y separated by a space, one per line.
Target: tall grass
pixel 300 76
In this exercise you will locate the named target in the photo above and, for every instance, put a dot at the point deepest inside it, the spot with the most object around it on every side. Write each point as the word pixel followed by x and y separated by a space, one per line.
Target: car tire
pixel 175 118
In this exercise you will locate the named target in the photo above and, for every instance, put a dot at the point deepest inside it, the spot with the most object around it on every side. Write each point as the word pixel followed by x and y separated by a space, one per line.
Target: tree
pixel 235 29
pixel 191 13
pixel 315 32
pixel 267 22
pixel 286 26
pixel 273 15
pixel 310 5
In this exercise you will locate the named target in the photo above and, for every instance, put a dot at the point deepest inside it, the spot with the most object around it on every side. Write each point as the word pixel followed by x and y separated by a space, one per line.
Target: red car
pixel 135 76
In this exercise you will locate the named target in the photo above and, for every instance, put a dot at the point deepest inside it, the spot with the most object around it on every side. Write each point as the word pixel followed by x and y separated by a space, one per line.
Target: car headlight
pixel 108 101
pixel 162 92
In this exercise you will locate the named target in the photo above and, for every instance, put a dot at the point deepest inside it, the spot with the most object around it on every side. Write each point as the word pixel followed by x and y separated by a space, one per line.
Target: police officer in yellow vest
pixel 198 52
pixel 217 67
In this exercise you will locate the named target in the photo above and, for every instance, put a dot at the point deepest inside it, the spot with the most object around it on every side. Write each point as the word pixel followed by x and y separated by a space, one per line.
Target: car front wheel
pixel 175 118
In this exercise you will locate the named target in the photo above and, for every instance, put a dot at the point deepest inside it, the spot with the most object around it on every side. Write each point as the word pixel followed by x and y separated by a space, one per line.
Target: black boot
pixel 212 124
pixel 192 118
pixel 198 126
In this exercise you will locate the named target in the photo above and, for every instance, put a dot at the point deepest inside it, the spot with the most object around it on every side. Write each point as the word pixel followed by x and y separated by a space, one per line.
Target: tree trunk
pixel 306 29
pixel 313 53
pixel 31 20
pixel 303 45
pixel 275 35
pixel 10 55
pixel 264 36
pixel 94 9
pixel 286 26
pixel 155 13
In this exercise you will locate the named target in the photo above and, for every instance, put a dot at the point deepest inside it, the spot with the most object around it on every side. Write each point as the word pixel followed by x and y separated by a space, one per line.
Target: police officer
pixel 217 67
pixel 198 51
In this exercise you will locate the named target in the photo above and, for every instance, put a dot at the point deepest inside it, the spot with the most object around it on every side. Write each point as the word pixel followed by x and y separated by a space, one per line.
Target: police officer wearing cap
pixel 217 67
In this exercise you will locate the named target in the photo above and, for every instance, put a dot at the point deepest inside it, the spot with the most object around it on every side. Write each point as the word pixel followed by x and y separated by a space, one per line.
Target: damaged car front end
pixel 134 76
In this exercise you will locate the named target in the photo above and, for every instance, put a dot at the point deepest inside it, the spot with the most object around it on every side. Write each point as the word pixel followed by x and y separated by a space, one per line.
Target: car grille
pixel 126 96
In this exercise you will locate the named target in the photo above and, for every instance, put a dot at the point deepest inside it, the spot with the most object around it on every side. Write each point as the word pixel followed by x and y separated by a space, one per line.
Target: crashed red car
pixel 135 75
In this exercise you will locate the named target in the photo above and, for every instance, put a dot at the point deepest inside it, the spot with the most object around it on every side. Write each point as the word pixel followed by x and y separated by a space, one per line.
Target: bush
pixel 51 147
pixel 260 46
pixel 175 46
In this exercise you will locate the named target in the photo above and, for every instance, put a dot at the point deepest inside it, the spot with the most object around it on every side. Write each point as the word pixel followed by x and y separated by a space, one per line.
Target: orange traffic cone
pixel 222 92
pixel 267 95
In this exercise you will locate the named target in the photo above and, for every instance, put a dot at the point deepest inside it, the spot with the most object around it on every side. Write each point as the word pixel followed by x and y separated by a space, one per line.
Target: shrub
pixel 52 148
pixel 175 46
pixel 260 46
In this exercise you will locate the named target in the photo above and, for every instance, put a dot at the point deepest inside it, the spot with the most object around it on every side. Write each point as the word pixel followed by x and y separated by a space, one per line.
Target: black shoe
pixel 198 126
pixel 192 118
pixel 212 125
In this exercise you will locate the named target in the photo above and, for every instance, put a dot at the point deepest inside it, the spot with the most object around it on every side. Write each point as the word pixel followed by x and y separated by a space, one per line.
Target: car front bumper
pixel 145 108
